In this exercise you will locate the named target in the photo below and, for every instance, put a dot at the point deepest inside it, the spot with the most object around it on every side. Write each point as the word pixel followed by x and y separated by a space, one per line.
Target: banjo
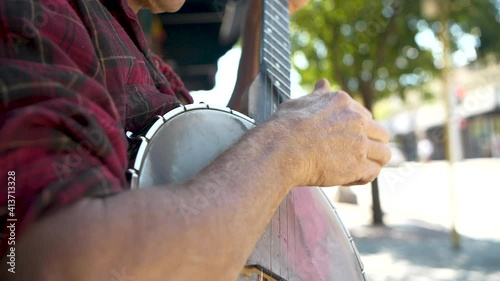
pixel 305 239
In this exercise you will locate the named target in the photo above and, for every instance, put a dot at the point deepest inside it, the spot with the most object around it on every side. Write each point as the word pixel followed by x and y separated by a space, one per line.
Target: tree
pixel 370 49
pixel 480 18
pixel 376 48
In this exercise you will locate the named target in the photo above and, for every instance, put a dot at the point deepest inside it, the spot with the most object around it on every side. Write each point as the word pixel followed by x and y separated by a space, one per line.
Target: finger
pixel 378 152
pixel 370 172
pixel 377 132
pixel 322 85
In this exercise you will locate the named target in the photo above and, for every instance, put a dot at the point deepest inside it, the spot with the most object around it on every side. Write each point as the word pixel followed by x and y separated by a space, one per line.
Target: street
pixel 416 243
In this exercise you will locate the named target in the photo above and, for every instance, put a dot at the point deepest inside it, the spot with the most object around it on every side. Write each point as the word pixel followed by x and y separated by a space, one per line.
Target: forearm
pixel 205 227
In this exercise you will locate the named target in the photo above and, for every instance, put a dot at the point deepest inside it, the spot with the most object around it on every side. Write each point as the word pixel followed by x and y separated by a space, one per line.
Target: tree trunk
pixel 367 91
pixel 378 216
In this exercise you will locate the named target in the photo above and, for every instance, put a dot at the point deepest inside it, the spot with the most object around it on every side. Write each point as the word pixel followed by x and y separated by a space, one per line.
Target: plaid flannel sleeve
pixel 59 130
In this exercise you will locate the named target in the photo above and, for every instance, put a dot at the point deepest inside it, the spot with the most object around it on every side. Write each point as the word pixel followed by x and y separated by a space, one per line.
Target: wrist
pixel 291 161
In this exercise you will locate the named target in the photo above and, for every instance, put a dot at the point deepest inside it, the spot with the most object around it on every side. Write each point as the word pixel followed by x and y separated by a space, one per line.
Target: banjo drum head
pixel 184 141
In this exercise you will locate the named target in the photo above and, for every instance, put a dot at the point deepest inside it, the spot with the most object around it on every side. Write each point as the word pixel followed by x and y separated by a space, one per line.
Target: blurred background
pixel 429 70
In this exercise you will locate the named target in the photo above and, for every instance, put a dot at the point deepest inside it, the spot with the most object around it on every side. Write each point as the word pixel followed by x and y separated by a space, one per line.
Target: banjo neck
pixel 272 85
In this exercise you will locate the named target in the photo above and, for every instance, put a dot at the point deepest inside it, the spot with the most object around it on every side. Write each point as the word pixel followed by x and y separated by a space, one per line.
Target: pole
pixel 450 126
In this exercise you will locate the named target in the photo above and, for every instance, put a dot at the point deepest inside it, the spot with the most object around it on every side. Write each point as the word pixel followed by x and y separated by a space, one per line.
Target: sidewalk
pixel 419 252
pixel 415 245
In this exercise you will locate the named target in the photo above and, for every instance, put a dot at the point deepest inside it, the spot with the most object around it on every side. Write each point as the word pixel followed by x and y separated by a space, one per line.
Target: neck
pixel 272 86
pixel 275 44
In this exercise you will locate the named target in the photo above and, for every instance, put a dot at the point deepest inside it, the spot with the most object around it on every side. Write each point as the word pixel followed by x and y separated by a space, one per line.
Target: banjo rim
pixel 158 124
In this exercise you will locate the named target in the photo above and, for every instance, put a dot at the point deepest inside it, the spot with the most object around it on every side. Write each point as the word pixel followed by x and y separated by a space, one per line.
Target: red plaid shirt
pixel 74 74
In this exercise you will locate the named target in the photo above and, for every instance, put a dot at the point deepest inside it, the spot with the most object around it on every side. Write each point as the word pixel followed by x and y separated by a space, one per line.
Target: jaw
pixel 156 6
pixel 161 6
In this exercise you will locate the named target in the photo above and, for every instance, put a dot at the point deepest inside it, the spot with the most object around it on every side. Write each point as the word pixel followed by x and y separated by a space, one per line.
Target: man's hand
pixel 332 138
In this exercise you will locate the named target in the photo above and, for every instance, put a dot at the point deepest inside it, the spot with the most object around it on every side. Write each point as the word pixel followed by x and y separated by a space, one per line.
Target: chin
pixel 162 6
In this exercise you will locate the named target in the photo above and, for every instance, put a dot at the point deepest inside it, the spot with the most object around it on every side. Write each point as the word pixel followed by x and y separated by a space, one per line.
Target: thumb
pixel 322 85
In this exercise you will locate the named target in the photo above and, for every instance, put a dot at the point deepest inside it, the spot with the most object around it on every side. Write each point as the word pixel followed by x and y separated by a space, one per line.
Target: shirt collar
pixel 128 20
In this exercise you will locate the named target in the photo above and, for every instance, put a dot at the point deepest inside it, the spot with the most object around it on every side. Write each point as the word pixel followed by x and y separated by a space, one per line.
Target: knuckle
pixel 361 141
pixel 341 97
pixel 357 119
pixel 286 103
pixel 361 152
pixel 343 94
pixel 358 116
